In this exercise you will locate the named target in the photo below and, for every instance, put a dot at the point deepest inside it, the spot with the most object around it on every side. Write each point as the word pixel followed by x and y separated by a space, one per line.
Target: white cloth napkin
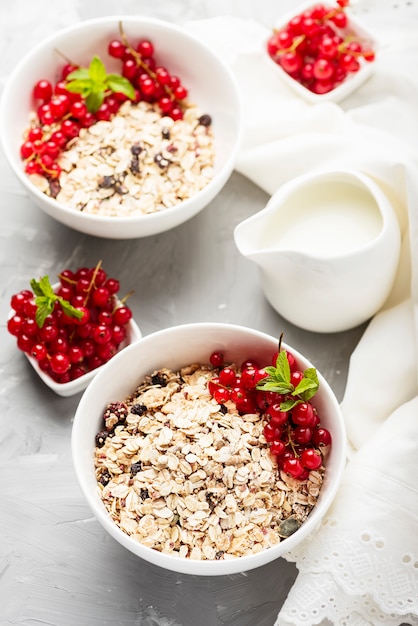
pixel 361 567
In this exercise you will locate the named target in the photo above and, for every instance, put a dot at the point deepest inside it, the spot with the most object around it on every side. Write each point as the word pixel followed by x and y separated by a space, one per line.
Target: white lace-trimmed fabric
pixel 361 566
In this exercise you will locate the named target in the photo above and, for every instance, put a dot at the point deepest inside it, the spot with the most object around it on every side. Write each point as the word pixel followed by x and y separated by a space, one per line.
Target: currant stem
pixel 140 62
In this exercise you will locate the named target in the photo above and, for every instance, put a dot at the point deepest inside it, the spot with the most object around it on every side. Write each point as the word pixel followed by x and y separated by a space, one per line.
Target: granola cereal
pixel 137 163
pixel 187 476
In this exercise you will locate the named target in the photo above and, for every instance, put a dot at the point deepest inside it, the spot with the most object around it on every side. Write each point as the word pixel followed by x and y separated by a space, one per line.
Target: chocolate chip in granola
pixel 104 478
pixel 135 468
pixel 205 120
pixel 144 494
pixel 54 188
pixel 136 149
pixel 134 165
pixel 107 182
pixel 165 133
pixel 138 409
pixel 159 379
pixel 101 438
pixel 161 161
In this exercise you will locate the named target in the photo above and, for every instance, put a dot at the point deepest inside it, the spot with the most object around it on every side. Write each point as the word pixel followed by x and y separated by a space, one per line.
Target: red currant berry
pixel 17 301
pixel 162 75
pixel 293 467
pixel 24 342
pixel 112 284
pixel 100 297
pixel 118 334
pixel 302 434
pixel 102 334
pixel 303 414
pixel 78 110
pixel 35 134
pixel 213 385
pixel 42 90
pixel 59 345
pixel 30 327
pixel 116 49
pixel 221 395
pixel 248 378
pixel 145 48
pixel 311 459
pixel 122 315
pixel 75 354
pixel 60 105
pixel 278 447
pixel 48 332
pixel 166 104
pixel 70 129
pixel 77 371
pixel 296 377
pixel 227 377
pixel 321 437
pixel 60 363
pixel 277 416
pixel 14 324
pixel 38 351
pixel 176 113
pixel 30 307
pixel 129 69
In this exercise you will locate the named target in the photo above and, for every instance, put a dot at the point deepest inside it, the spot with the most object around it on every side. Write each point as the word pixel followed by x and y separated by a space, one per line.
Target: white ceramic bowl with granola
pixel 189 466
pixel 144 137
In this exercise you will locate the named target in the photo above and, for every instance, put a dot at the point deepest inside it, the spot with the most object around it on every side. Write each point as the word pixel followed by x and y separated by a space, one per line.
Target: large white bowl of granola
pixel 209 448
pixel 121 127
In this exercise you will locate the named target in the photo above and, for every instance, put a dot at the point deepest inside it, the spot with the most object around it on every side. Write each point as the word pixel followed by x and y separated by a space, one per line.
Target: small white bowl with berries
pixel 68 330
pixel 208 448
pixel 121 127
pixel 322 52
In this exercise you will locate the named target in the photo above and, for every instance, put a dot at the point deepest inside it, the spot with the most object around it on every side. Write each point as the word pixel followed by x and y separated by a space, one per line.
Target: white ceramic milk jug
pixel 327 246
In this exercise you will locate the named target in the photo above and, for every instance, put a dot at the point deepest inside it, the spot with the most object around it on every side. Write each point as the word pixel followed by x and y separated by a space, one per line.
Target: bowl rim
pixel 54 207
pixel 183 565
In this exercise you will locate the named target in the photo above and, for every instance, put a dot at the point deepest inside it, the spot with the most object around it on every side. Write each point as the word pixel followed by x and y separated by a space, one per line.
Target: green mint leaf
pixel 82 73
pixel 282 367
pixel 272 385
pixel 309 385
pixel 36 287
pixel 290 404
pixel 46 287
pixel 83 87
pixel 97 70
pixel 94 100
pixel 69 309
pixel 42 313
pixel 119 84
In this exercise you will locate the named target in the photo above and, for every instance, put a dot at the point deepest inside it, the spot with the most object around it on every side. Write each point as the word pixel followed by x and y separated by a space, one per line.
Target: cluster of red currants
pixel 67 346
pixel 61 113
pixel 153 83
pixel 296 438
pixel 317 49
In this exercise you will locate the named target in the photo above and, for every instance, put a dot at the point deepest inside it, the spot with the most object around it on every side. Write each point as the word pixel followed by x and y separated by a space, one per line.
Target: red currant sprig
pixel 154 83
pixel 281 394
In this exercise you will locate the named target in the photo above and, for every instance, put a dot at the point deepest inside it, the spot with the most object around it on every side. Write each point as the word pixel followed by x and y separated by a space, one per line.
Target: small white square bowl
pixel 79 384
pixel 353 81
